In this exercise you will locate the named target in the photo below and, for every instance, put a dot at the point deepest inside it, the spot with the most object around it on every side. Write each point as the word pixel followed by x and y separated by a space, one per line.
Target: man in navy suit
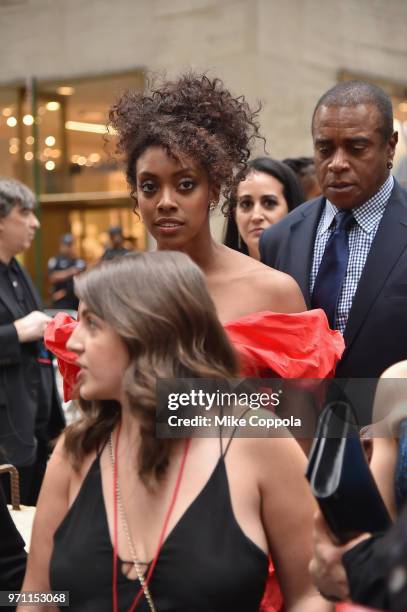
pixel 30 410
pixel 358 275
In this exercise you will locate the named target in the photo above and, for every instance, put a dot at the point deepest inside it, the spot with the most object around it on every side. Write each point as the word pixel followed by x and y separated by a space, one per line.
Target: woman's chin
pixel 87 393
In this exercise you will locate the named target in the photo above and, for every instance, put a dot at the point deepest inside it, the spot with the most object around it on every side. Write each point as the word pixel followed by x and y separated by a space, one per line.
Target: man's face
pixel 351 154
pixel 67 250
pixel 17 230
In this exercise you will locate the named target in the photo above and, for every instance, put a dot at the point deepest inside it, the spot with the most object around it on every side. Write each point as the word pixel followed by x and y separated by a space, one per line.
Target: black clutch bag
pixel 340 477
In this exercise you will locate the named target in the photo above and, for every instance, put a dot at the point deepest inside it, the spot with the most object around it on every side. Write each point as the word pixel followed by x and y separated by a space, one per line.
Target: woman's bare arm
pixel 287 509
pixel 52 507
pixel 389 409
pixel 382 465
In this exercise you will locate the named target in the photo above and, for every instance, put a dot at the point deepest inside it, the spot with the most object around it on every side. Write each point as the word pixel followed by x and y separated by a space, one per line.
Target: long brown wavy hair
pixel 159 305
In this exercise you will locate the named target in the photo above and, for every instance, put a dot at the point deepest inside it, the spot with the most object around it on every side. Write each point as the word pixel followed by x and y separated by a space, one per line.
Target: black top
pixel 18 291
pixel 26 373
pixel 206 564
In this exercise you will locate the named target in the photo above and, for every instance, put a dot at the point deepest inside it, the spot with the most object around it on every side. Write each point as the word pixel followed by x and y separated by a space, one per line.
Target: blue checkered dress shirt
pixel 361 235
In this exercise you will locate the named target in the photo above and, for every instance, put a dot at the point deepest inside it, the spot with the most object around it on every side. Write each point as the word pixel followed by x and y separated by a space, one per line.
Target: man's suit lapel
pixel 380 261
pixel 32 289
pixel 11 305
pixel 302 246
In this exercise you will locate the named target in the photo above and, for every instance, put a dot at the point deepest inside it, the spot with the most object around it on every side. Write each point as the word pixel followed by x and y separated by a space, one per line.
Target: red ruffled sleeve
pixel 295 345
pixel 57 334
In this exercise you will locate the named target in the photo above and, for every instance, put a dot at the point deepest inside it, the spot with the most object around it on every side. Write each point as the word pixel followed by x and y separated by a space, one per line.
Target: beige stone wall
pixel 284 52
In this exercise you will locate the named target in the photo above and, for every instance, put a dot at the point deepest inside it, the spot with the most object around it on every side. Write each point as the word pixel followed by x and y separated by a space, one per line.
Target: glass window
pixel 53 138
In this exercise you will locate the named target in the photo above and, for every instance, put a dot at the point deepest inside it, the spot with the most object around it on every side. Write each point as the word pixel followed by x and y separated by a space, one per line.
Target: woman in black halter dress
pixel 217 506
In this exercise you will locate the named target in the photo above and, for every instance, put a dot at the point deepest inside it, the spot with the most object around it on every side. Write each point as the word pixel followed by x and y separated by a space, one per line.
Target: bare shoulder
pixel 59 459
pixel 53 504
pixel 261 276
pixel 389 403
pixel 397 370
pixel 259 286
pixel 281 288
pixel 273 464
pixel 279 449
pixel 61 480
pixel 276 462
pixel 58 476
pixel 274 447
pixel 279 280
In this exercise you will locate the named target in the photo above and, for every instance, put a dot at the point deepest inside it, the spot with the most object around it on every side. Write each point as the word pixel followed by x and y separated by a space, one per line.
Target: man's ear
pixel 392 143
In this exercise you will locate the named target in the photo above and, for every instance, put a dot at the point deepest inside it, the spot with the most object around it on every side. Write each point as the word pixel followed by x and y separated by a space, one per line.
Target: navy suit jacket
pixel 376 332
pixel 22 404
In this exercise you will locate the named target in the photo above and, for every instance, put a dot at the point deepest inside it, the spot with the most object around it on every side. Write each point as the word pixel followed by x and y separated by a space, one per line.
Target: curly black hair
pixel 193 116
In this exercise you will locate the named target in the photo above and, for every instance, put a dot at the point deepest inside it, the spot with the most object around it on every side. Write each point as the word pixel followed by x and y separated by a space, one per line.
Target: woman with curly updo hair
pixel 184 146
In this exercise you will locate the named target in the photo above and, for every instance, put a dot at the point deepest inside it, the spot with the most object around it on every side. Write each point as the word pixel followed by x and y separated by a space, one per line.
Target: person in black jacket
pixel 366 296
pixel 62 268
pixel 30 410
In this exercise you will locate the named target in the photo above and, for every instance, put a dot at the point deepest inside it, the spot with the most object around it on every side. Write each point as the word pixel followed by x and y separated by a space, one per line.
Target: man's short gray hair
pixel 352 93
pixel 13 193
